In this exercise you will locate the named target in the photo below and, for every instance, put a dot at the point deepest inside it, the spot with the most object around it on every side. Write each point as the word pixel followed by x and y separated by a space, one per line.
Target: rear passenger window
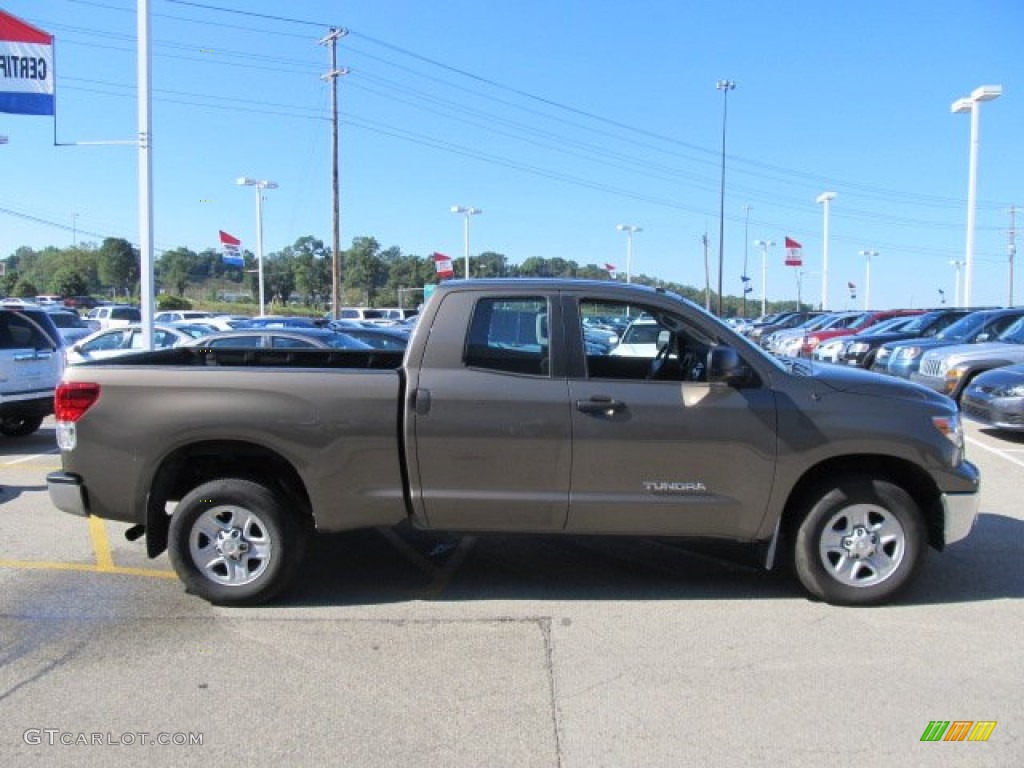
pixel 20 332
pixel 509 335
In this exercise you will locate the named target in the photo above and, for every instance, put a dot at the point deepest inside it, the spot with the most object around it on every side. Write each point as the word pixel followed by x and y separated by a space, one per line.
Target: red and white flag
pixel 443 266
pixel 611 270
pixel 232 248
pixel 794 253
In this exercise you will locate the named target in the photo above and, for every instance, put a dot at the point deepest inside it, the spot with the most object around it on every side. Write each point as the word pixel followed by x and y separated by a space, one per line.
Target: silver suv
pixel 31 365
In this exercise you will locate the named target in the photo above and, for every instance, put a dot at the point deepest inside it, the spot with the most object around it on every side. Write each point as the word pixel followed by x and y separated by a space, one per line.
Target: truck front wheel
pixel 860 542
pixel 232 542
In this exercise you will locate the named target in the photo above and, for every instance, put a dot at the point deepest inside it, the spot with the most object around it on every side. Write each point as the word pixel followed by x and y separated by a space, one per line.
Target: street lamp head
pixel 725 85
pixel 245 181
pixel 824 197
pixel 986 92
pixel 764 243
pixel 960 106
pixel 466 210
pixel 629 228
pixel 869 254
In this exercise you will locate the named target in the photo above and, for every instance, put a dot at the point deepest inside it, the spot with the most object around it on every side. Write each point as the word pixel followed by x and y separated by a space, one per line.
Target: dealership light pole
pixel 970 104
pixel 260 185
pixel 724 86
pixel 467 212
pixel 956 264
pixel 765 245
pixel 867 277
pixel 824 199
pixel 629 229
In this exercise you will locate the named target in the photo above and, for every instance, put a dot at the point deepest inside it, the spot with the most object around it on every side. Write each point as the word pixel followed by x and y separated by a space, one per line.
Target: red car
pixel 811 341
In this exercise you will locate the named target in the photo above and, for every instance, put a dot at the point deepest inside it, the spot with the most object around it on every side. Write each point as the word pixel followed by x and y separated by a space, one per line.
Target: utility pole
pixel 746 251
pixel 707 274
pixel 332 40
pixel 1012 248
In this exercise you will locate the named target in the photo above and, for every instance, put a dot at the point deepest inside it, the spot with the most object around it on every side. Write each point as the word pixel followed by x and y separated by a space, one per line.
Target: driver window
pixel 641 343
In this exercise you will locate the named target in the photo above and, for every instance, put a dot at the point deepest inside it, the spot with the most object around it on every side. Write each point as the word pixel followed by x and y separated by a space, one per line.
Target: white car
pixel 115 315
pixel 31 364
pixel 640 339
pixel 112 342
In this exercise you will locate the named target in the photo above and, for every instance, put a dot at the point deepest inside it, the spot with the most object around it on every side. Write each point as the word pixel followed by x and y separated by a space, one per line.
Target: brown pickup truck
pixel 508 413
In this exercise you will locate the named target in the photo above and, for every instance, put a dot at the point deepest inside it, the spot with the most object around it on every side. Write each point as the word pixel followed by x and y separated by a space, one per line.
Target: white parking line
pixel 997 451
pixel 29 458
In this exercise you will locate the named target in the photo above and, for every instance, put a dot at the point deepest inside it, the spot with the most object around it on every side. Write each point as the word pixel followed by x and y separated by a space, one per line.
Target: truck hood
pixel 858 381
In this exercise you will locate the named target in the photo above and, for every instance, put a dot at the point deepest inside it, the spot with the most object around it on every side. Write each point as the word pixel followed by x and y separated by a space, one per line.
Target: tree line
pixel 299 273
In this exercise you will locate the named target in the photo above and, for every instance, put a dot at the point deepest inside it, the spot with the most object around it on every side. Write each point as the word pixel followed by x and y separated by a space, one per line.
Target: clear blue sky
pixel 559 119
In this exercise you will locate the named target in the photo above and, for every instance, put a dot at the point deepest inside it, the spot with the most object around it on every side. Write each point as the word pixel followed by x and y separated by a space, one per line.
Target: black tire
pixel 234 542
pixel 860 542
pixel 19 426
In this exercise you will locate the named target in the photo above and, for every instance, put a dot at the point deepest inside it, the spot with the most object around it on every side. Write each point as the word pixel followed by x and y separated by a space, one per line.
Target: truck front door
pixel 656 448
pixel 488 441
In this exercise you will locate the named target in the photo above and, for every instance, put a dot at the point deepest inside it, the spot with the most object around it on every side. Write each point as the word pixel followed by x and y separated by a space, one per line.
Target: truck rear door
pixel 488 427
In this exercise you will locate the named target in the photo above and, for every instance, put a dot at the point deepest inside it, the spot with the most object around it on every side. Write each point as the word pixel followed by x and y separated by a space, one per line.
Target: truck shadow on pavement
pixel 382 566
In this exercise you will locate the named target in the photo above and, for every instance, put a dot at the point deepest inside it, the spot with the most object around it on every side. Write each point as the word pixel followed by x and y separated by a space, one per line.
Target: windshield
pixel 964 328
pixel 1014 334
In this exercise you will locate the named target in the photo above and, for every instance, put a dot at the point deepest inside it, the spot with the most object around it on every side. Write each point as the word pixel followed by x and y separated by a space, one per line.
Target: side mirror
pixel 725 366
pixel 664 337
pixel 982 337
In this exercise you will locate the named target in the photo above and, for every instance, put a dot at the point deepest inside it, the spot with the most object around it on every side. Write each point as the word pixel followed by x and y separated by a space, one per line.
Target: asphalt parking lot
pixel 399 648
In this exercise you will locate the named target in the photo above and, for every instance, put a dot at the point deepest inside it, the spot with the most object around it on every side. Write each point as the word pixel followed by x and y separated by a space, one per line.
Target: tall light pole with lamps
pixel 956 264
pixel 260 184
pixel 970 104
pixel 724 86
pixel 764 245
pixel 629 229
pixel 467 212
pixel 867 277
pixel 824 199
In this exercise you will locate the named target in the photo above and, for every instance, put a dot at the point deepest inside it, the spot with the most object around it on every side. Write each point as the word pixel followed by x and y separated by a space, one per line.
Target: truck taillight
pixel 73 399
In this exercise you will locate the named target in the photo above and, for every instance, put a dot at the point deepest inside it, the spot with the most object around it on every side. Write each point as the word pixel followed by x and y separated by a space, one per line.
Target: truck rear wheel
pixel 233 542
pixel 860 542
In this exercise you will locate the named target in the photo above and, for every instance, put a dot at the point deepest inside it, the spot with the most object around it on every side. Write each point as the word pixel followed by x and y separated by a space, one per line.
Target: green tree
pixel 312 268
pixel 117 265
pixel 68 281
pixel 365 270
pixel 174 268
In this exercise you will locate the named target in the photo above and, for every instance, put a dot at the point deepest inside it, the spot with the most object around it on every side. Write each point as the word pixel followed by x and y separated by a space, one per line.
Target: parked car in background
pixel 111 342
pixel 868 319
pixel 283 321
pixel 949 370
pixel 639 340
pixel 280 338
pixel 180 315
pixel 70 324
pixel 395 338
pixel 760 334
pixel 31 365
pixel 903 358
pixel 81 302
pixel 861 350
pixel 831 351
pixel 787 342
pixel 114 315
pixel 996 398
pixel 50 300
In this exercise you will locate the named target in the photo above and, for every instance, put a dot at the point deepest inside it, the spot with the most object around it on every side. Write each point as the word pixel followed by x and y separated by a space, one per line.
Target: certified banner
pixel 26 68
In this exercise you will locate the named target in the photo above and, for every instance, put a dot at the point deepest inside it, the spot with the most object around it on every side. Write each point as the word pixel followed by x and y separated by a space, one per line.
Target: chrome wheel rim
pixel 230 545
pixel 862 545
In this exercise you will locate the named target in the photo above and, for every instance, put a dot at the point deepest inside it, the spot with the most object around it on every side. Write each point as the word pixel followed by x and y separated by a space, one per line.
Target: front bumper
pixel 67 492
pixel 960 511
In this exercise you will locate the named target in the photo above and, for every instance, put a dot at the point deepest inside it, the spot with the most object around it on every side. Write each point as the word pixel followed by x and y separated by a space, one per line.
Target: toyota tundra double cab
pixel 500 417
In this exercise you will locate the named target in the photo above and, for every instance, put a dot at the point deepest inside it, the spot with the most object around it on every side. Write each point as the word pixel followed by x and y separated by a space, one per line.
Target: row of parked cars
pixel 975 356
pixel 38 340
